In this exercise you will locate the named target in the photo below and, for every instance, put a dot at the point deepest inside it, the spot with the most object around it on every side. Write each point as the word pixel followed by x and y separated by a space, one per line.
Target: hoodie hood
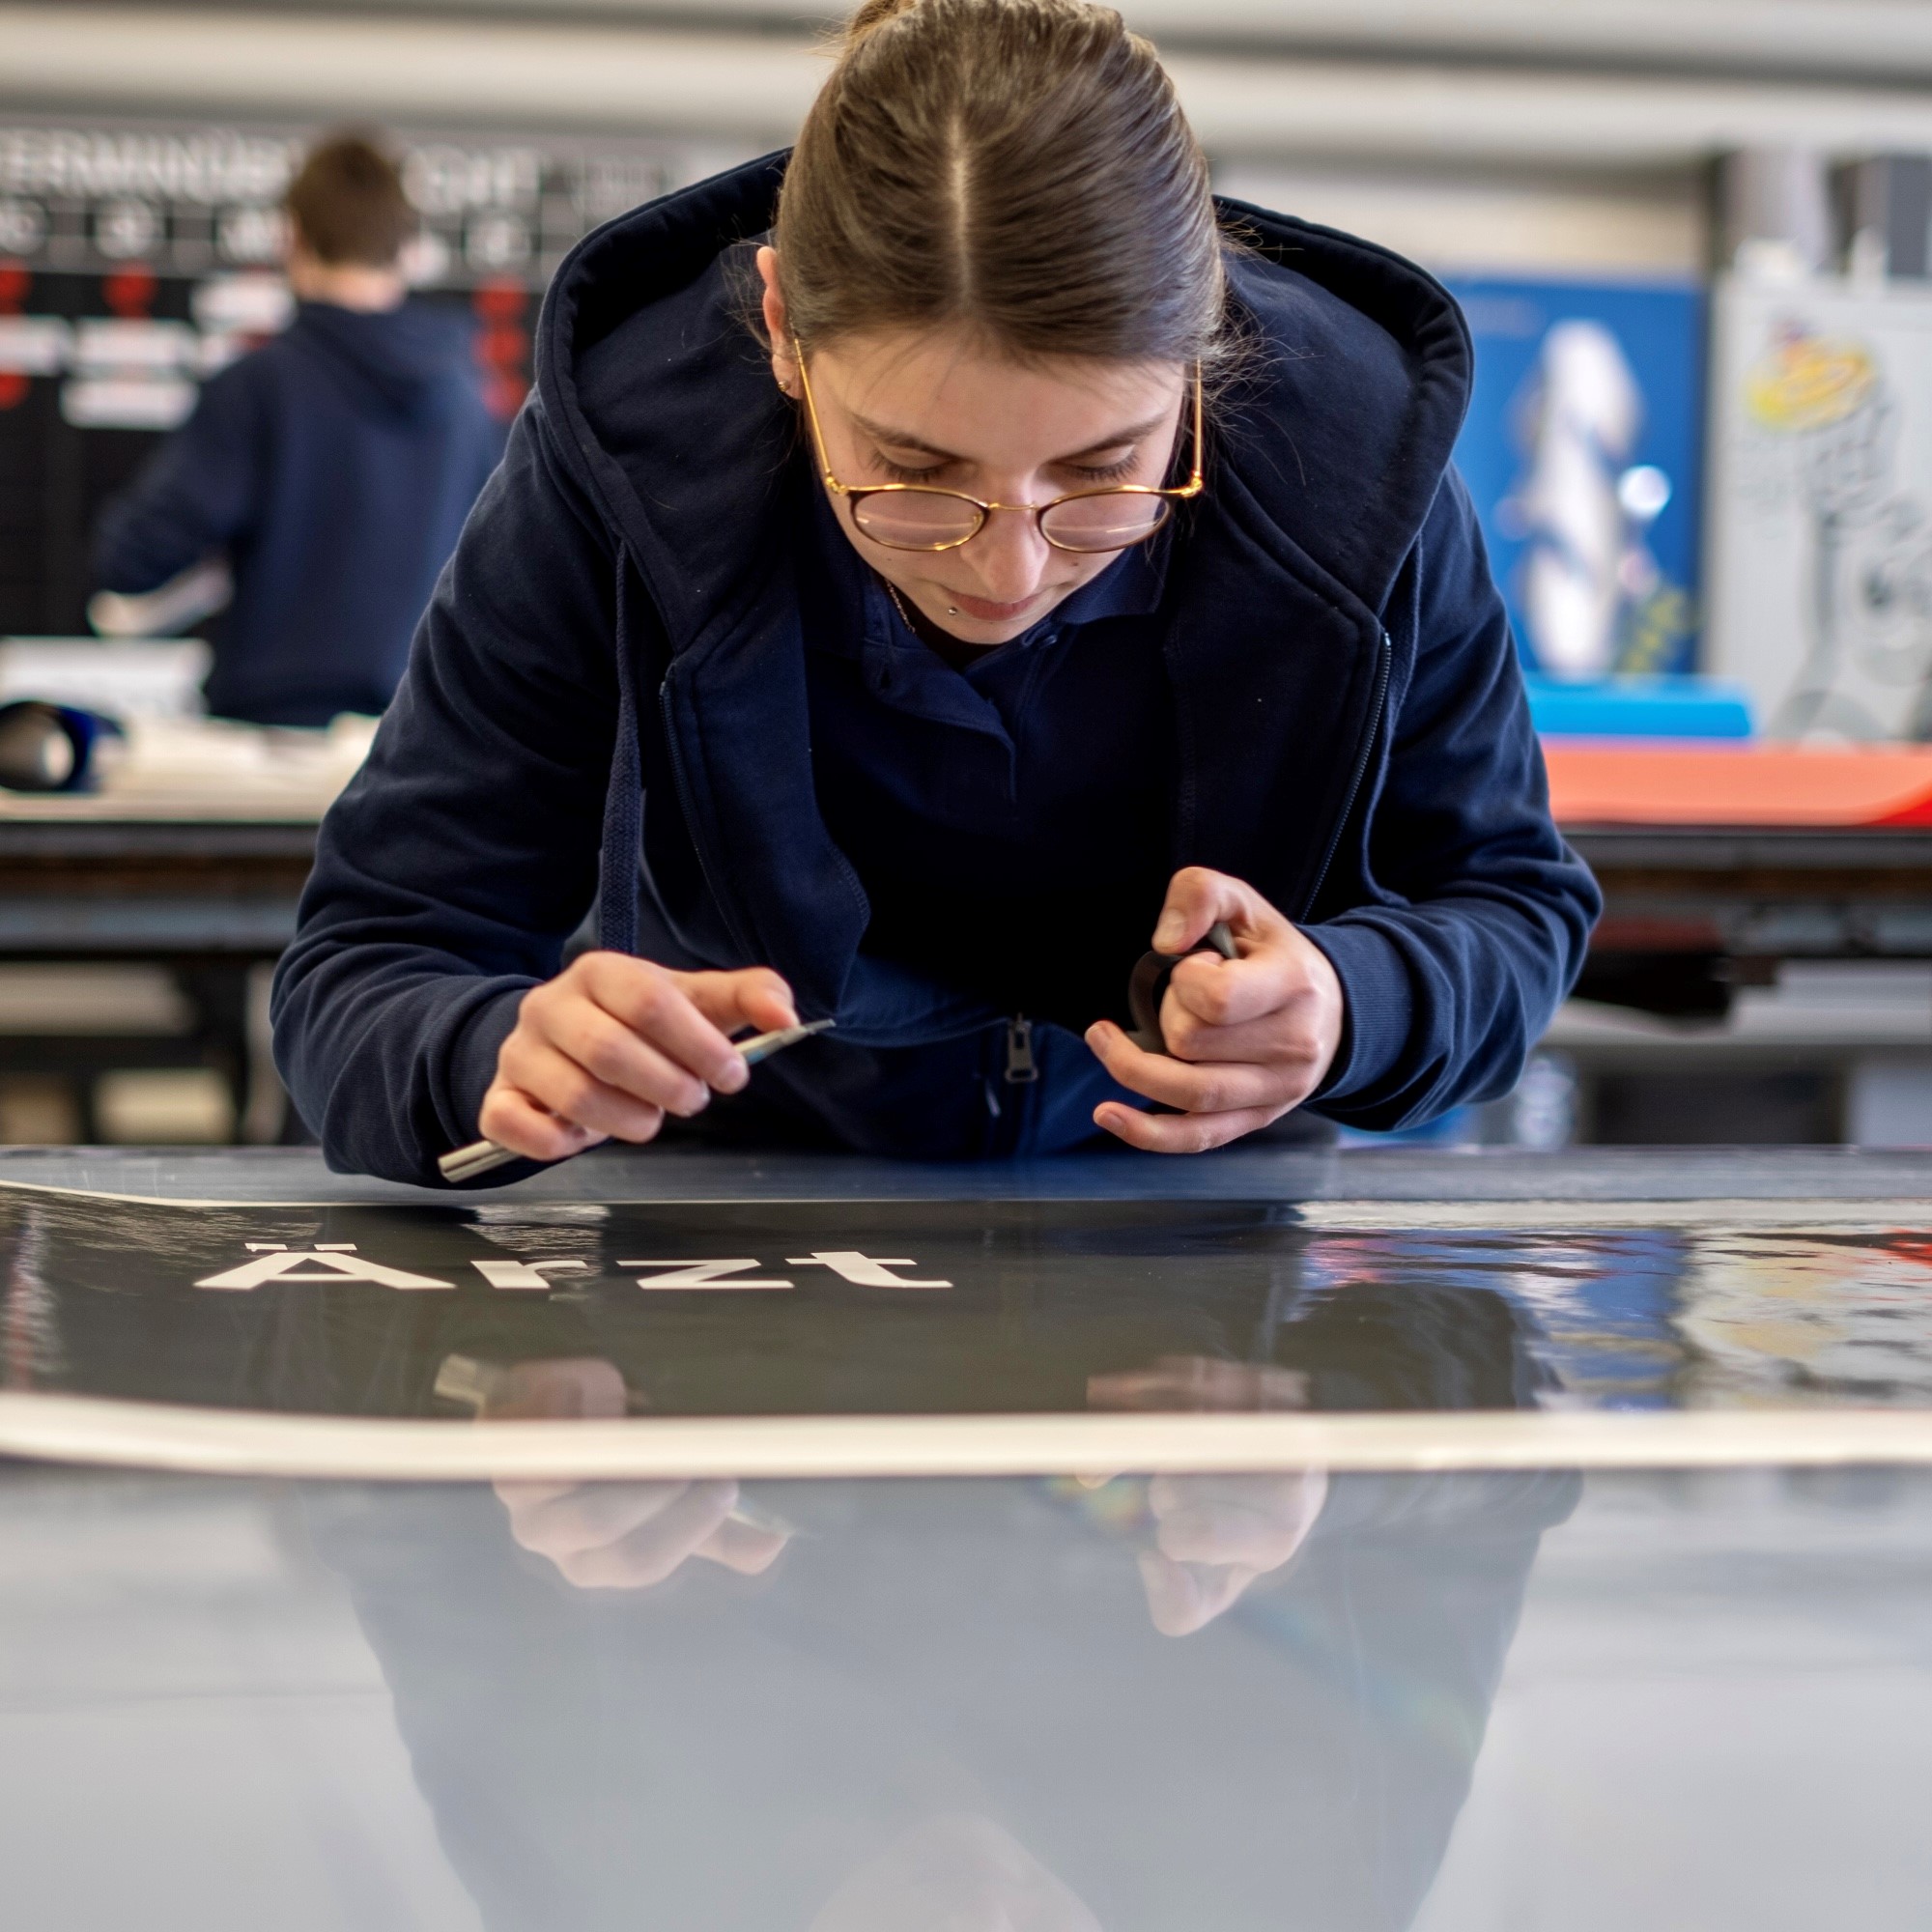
pixel 659 394
pixel 398 363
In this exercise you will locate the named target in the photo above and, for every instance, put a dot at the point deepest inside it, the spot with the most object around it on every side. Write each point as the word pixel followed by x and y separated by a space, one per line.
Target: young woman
pixel 933 567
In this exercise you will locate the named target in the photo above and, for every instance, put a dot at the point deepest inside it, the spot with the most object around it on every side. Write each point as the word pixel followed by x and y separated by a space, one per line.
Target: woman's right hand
pixel 613 1044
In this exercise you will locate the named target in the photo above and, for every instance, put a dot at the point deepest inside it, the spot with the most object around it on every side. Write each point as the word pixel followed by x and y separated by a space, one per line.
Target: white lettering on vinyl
pixel 524 1274
pixel 701 1274
pixel 338 1262
pixel 863 1269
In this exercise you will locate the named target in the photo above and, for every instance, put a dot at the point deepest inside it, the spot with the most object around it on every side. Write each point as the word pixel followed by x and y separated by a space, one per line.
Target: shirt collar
pixel 1130 586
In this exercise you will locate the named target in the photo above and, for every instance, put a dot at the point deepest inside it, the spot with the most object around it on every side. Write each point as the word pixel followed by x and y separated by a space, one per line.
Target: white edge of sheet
pixel 1876 1213
pixel 100 1432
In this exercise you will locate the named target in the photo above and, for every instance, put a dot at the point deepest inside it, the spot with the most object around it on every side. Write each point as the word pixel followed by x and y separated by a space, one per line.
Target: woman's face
pixel 934 407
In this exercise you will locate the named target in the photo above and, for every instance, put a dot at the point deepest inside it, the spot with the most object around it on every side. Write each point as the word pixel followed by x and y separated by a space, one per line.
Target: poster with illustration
pixel 1821 507
pixel 1583 451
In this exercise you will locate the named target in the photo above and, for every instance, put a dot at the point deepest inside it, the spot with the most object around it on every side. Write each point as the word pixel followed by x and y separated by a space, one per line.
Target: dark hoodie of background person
pixel 332 468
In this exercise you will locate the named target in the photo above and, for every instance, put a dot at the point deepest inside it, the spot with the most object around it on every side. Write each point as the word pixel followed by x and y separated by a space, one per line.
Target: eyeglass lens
pixel 1108 520
pixel 916 519
pixel 934 519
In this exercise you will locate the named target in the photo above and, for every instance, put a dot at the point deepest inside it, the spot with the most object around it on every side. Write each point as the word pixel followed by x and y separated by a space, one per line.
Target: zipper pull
pixel 1022 1069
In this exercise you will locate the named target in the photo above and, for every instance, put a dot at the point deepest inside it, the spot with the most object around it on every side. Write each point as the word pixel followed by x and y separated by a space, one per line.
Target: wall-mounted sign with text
pixel 136 260
pixel 196 200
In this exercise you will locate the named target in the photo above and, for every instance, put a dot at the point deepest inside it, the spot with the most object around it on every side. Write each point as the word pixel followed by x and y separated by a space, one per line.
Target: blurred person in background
pixel 331 469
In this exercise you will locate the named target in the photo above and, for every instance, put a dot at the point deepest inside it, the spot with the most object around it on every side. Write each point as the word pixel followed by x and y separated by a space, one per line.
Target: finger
pixel 564 1522
pixel 753 997
pixel 743 1546
pixel 1180 1133
pixel 659 1547
pixel 1185 1598
pixel 579 1386
pixel 512 1119
pixel 557 1081
pixel 1274 974
pixel 1290 1495
pixel 1259 1520
pixel 521 1498
pixel 1211 1087
pixel 653 1004
pixel 1196 898
pixel 1276 1036
pixel 608 1050
pixel 1210 1533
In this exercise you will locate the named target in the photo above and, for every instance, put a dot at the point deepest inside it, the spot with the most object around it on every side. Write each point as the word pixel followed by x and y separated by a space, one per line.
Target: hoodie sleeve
pixel 451 872
pixel 192 498
pixel 1487 912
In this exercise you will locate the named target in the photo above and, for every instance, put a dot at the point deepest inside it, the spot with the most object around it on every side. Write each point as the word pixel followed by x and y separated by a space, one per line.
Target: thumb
pixel 1196 898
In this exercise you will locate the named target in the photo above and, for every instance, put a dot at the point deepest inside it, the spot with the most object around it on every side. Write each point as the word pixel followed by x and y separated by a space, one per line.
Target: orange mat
pixel 1711 783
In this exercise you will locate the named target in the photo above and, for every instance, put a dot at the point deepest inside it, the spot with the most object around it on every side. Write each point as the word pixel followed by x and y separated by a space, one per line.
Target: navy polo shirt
pixel 1009 820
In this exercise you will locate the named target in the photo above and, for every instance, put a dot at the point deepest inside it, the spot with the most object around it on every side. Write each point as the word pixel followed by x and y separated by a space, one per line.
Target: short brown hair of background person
pixel 347 205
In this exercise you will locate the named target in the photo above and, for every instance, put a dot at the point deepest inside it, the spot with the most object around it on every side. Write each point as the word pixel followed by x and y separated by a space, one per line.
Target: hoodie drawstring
pixel 623 803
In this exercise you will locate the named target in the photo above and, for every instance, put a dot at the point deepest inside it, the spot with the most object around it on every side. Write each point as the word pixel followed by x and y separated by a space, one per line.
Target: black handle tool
pixel 1149 986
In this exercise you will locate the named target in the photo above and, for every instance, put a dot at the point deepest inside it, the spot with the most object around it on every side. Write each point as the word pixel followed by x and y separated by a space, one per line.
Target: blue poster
pixel 1584 450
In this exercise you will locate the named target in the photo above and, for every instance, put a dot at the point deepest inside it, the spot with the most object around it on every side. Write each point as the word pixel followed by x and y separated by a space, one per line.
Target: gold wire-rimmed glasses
pixel 921 516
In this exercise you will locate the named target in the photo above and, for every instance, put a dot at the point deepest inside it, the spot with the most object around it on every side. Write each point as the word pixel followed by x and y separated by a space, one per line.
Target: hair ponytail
pixel 1020 169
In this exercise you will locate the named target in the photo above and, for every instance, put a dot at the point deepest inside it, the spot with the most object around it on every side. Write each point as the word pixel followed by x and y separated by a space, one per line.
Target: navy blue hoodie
pixel 606 705
pixel 333 468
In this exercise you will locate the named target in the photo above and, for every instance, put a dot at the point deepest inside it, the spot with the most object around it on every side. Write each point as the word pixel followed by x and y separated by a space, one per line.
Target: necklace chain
pixel 912 623
pixel 898 605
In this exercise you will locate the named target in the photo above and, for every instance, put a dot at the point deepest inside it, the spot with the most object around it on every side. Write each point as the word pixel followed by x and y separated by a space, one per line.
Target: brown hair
pixel 347 205
pixel 1020 168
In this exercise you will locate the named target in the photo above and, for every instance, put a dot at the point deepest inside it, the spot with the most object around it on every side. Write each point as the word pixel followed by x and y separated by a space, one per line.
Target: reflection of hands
pixel 582 1388
pixel 615 1536
pixel 1217 1535
pixel 1200 1383
pixel 627 1536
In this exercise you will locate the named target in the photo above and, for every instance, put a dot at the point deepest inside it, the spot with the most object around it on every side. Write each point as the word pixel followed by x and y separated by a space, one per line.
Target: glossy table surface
pixel 1144 1693
pixel 1420 1177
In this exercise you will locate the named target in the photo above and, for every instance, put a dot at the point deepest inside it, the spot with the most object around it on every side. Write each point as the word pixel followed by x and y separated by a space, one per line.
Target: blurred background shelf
pixel 1651 210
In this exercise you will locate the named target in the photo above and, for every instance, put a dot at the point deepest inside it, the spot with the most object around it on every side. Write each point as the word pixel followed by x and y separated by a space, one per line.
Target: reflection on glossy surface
pixel 628 1536
pixel 1215 1536
pixel 608 1536
pixel 946 1702
pixel 1451 1703
pixel 961 1873
pixel 912 1307
pixel 1247 1170
pixel 1463 1704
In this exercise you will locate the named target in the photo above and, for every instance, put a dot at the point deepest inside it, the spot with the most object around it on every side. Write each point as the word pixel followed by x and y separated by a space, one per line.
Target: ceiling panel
pixel 1876 37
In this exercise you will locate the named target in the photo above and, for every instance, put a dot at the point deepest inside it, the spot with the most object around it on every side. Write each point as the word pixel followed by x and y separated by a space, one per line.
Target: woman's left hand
pixel 1248 1038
